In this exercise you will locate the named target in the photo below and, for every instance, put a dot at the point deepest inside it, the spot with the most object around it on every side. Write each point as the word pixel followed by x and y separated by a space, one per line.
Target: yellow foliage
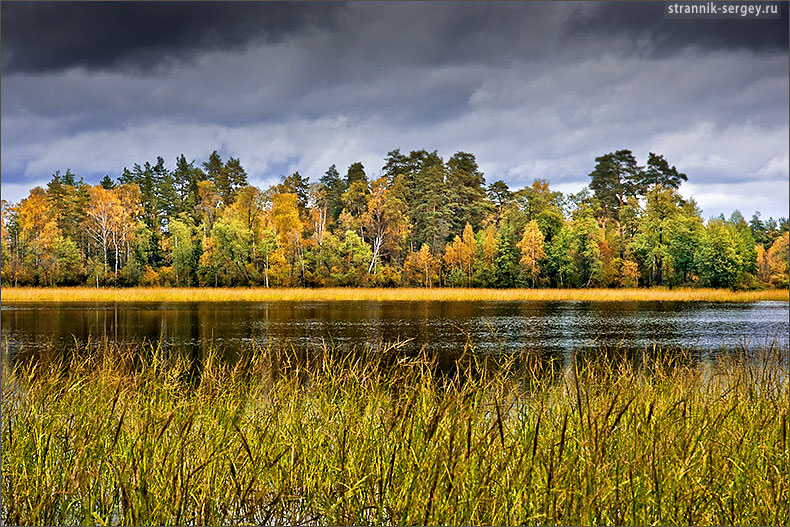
pixel 149 278
pixel 629 274
pixel 285 218
pixel 489 245
pixel 422 267
pixel 763 265
pixel 34 215
pixel 461 253
pixel 532 252
pixel 778 261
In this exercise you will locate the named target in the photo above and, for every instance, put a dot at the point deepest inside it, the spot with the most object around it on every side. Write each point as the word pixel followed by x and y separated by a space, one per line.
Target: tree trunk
pixel 660 264
pixel 376 246
pixel 175 267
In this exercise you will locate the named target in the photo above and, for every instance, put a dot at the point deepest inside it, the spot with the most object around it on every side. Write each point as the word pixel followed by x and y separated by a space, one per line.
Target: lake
pixel 553 328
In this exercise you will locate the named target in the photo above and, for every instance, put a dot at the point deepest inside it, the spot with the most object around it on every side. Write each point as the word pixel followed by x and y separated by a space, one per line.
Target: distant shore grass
pixel 138 436
pixel 142 294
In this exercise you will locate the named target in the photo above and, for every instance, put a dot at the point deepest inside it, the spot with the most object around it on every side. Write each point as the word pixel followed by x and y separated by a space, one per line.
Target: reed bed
pixel 146 436
pixel 142 294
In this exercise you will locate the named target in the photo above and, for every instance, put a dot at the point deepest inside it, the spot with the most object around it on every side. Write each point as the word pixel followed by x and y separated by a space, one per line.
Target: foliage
pixel 532 253
pixel 719 261
pixel 424 221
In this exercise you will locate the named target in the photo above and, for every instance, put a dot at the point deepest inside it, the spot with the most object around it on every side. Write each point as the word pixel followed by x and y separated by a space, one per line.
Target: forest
pixel 422 221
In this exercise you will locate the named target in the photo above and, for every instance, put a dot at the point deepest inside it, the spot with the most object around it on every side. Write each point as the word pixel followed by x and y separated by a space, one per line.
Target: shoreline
pixel 165 294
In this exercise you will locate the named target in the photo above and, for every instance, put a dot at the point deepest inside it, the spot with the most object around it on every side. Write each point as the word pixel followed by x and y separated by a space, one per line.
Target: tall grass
pixel 143 436
pixel 161 294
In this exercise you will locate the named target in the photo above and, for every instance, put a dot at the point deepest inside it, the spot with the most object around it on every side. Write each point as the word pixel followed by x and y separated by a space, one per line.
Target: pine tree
pixel 499 193
pixel 186 178
pixel 430 211
pixel 616 177
pixel 335 187
pixel 658 173
pixel 166 195
pixel 394 164
pixel 213 168
pixel 237 179
pixel 466 188
pixel 107 182
pixel 296 184
pixel 356 172
pixel 508 256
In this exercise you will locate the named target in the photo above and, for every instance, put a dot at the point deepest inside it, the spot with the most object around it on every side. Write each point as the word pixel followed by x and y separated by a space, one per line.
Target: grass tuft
pixel 146 436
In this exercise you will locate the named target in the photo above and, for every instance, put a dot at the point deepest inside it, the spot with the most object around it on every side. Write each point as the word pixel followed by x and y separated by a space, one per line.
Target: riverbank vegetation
pixel 146 436
pixel 259 294
pixel 422 221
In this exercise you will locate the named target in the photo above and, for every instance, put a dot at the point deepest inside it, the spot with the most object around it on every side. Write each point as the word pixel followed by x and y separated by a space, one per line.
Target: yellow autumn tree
pixel 485 259
pixel 460 256
pixel 422 267
pixel 208 202
pixel 384 221
pixel 285 219
pixel 249 209
pixel 39 233
pixel 629 274
pixel 778 261
pixel 763 264
pixel 532 252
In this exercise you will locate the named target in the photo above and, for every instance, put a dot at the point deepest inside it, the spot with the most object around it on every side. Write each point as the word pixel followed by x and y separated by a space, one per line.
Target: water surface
pixel 553 328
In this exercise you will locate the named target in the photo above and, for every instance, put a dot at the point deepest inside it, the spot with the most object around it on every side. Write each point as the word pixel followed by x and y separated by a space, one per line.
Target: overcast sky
pixel 534 90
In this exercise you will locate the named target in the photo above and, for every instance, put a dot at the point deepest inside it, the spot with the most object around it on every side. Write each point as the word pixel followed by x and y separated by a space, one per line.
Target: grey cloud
pixel 51 36
pixel 643 26
pixel 533 89
pixel 47 36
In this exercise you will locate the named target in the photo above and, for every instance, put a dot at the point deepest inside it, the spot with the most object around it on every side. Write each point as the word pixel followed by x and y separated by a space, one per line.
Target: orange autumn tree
pixel 193 225
pixel 39 233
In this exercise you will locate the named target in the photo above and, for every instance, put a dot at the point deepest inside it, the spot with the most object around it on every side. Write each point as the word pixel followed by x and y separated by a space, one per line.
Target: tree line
pixel 423 221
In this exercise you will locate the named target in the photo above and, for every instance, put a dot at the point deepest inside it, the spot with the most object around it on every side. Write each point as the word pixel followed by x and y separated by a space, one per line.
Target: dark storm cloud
pixel 45 36
pixel 50 36
pixel 643 24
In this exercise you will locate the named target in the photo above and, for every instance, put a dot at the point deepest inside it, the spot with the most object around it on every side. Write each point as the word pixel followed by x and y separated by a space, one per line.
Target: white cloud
pixel 770 197
pixel 14 192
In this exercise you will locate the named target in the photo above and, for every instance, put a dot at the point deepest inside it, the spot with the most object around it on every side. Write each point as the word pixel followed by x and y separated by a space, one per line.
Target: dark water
pixel 553 328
